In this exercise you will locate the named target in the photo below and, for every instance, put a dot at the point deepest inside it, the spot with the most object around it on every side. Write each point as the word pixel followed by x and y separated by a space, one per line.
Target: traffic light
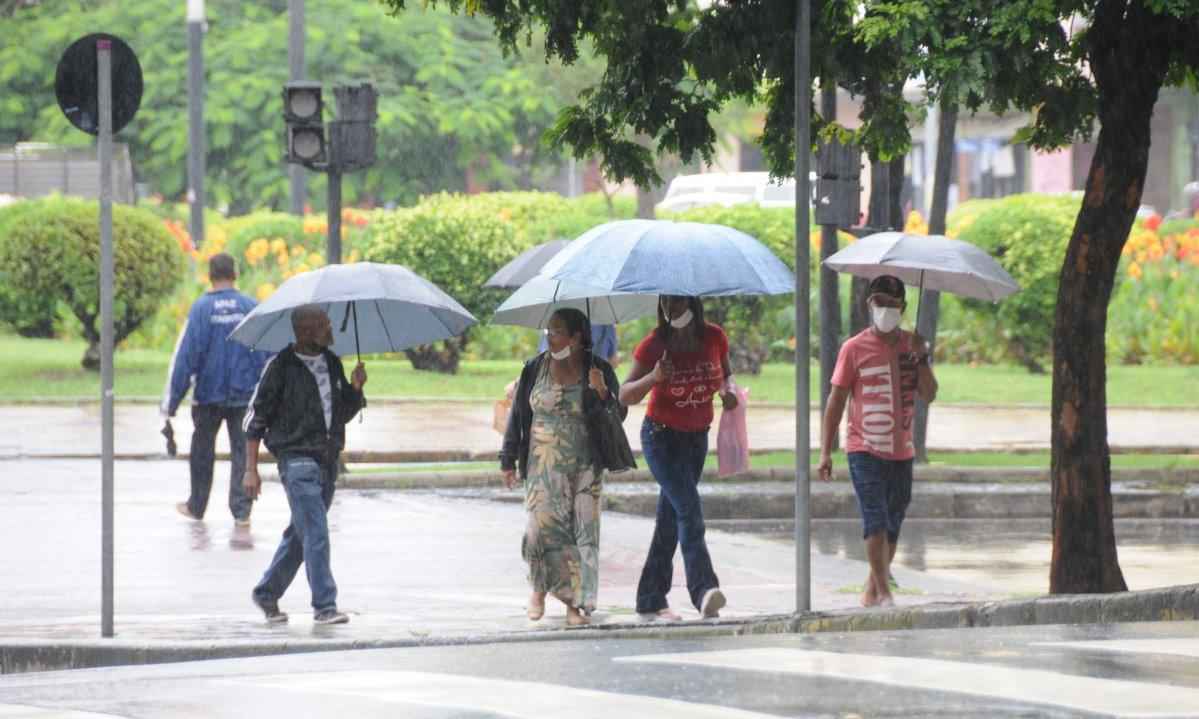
pixel 352 136
pixel 302 111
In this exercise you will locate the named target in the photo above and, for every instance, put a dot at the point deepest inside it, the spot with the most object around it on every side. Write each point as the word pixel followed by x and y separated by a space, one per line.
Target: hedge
pixel 52 250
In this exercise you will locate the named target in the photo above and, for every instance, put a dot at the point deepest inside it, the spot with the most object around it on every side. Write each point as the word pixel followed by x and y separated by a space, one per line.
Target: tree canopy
pixel 449 101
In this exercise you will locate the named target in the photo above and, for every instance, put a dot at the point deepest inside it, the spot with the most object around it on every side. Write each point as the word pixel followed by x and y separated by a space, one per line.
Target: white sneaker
pixel 662 615
pixel 713 602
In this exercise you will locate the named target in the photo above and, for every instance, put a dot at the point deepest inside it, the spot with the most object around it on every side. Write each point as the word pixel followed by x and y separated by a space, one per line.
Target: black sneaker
pixel 270 609
pixel 331 616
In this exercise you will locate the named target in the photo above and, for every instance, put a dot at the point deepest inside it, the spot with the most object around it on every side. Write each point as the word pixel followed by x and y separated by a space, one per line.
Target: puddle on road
pixel 1009 555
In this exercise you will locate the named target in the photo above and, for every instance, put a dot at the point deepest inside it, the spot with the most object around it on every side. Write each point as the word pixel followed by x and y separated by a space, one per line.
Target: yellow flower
pixel 298 251
pixel 278 245
pixel 266 289
pixel 1134 271
pixel 315 259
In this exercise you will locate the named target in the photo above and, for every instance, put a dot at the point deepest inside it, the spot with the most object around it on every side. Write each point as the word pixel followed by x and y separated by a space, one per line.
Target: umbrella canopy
pixel 373 307
pixel 932 262
pixel 527 264
pixel 536 300
pixel 662 257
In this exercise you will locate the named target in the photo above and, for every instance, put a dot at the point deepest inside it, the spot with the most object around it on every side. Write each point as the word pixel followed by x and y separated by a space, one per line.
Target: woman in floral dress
pixel 547 441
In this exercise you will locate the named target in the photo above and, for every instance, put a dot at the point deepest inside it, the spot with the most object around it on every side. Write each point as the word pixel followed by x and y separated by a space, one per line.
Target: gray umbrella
pixel 391 307
pixel 526 265
pixel 929 262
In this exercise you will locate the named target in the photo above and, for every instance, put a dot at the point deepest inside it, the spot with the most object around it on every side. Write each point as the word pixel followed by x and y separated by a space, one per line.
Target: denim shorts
pixel 884 489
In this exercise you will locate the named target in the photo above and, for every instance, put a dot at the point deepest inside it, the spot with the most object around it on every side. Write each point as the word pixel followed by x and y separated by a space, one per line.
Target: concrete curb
pixel 1180 603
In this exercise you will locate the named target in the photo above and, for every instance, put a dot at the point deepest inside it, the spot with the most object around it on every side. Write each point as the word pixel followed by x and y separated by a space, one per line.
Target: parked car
pixel 726 189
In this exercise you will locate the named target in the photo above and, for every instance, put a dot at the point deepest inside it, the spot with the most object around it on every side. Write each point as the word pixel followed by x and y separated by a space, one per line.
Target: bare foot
pixel 575 619
pixel 536 605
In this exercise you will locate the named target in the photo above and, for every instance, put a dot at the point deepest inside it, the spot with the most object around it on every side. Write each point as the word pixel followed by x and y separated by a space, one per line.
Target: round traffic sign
pixel 76 83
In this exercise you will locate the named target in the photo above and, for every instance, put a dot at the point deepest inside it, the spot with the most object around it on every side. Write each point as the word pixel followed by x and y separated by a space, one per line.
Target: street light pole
pixel 295 63
pixel 803 439
pixel 195 119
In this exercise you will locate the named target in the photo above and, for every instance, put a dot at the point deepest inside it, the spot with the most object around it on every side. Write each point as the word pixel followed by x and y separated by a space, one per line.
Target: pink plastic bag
pixel 732 439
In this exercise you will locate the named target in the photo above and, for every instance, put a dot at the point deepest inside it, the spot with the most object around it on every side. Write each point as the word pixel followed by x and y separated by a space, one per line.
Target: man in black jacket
pixel 300 408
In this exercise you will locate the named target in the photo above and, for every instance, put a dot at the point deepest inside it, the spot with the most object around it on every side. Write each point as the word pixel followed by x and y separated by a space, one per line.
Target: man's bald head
pixel 311 326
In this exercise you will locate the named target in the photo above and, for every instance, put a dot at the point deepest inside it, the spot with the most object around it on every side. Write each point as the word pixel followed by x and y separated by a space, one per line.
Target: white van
pixel 727 189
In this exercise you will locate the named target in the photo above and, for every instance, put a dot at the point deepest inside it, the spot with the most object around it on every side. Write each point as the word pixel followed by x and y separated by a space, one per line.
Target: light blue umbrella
pixel 536 300
pixel 662 257
pixel 390 307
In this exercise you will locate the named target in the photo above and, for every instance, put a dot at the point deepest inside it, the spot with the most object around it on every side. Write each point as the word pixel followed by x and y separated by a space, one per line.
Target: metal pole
pixel 803 341
pixel 195 119
pixel 295 63
pixel 334 216
pixel 104 70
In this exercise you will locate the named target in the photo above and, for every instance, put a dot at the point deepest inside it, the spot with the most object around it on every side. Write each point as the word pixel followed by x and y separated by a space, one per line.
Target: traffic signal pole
pixel 334 218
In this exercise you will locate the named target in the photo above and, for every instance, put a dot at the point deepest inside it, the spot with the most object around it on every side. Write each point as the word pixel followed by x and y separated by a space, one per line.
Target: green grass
pixel 786 460
pixel 32 369
pixel 770 460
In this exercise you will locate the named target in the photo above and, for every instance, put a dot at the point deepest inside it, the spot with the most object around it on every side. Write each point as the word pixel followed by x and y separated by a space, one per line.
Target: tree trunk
pixel 878 217
pixel 441 357
pixel 927 327
pixel 830 298
pixel 1084 542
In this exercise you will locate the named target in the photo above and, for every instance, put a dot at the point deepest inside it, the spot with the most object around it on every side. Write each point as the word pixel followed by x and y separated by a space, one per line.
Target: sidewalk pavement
pixel 411 430
pixel 410 566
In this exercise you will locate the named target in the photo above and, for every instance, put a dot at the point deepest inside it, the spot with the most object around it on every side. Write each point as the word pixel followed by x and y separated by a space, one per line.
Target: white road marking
pixel 509 698
pixel 1175 647
pixel 18 711
pixel 1102 696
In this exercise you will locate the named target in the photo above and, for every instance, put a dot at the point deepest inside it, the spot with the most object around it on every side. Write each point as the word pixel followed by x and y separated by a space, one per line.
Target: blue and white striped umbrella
pixel 373 308
pixel 662 257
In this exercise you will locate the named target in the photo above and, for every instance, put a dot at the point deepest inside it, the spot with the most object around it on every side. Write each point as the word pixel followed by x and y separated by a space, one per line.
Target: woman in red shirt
pixel 681 365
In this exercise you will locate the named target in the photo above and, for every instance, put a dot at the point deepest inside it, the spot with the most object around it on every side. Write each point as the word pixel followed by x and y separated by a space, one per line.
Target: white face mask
pixel 682 320
pixel 885 319
pixel 561 354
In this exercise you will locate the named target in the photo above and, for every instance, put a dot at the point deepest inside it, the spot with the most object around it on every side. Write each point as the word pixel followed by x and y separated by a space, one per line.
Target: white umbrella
pixel 392 309
pixel 536 300
pixel 930 262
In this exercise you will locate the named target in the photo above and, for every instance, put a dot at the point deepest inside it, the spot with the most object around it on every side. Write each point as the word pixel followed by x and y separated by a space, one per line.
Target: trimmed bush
pixel 456 243
pixel 30 314
pixel 1028 235
pixel 53 251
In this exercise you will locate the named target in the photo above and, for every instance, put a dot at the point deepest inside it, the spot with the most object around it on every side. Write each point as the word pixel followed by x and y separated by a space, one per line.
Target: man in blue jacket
pixel 225 373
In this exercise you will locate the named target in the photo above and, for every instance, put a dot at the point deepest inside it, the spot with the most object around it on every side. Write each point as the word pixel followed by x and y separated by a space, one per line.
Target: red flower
pixel 1153 222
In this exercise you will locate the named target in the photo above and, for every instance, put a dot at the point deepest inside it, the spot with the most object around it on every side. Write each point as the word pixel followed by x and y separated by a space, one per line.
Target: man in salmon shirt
pixel 883 369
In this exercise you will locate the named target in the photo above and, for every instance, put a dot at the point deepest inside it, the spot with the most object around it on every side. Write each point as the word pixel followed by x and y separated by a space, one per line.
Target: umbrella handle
pixel 357 346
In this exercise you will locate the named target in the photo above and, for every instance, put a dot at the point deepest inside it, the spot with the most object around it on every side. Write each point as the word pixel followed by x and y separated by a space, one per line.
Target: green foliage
pixel 53 251
pixel 450 102
pixel 454 243
pixel 30 314
pixel 1028 234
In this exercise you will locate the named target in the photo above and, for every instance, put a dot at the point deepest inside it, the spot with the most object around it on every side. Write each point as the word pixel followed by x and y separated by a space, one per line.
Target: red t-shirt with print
pixel 881 380
pixel 684 401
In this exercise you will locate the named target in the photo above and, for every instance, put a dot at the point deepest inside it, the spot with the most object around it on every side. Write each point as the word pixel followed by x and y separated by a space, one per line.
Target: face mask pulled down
pixel 682 320
pixel 885 319
pixel 561 354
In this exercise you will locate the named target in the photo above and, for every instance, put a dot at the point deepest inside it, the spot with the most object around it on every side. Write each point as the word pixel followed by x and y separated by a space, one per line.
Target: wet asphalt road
pixel 1141 670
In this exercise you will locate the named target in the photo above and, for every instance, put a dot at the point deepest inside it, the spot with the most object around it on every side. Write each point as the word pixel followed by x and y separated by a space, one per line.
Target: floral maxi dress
pixel 562 496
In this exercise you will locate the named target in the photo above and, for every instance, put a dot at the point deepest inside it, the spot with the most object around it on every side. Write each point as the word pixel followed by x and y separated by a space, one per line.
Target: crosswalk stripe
pixel 1175 647
pixel 1103 696
pixel 20 711
pixel 510 698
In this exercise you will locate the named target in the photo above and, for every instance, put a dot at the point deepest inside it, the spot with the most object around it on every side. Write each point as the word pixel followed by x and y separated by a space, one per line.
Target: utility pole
pixel 295 64
pixel 195 119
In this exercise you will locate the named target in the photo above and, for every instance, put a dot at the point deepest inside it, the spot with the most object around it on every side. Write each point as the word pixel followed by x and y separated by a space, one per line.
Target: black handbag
pixel 605 426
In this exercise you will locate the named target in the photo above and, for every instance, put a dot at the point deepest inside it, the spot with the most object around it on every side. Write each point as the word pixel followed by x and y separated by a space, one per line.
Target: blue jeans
pixel 677 462
pixel 884 489
pixel 309 487
pixel 207 418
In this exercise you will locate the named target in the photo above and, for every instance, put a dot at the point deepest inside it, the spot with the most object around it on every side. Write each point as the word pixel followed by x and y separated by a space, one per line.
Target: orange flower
pixel 1153 222
pixel 1134 271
